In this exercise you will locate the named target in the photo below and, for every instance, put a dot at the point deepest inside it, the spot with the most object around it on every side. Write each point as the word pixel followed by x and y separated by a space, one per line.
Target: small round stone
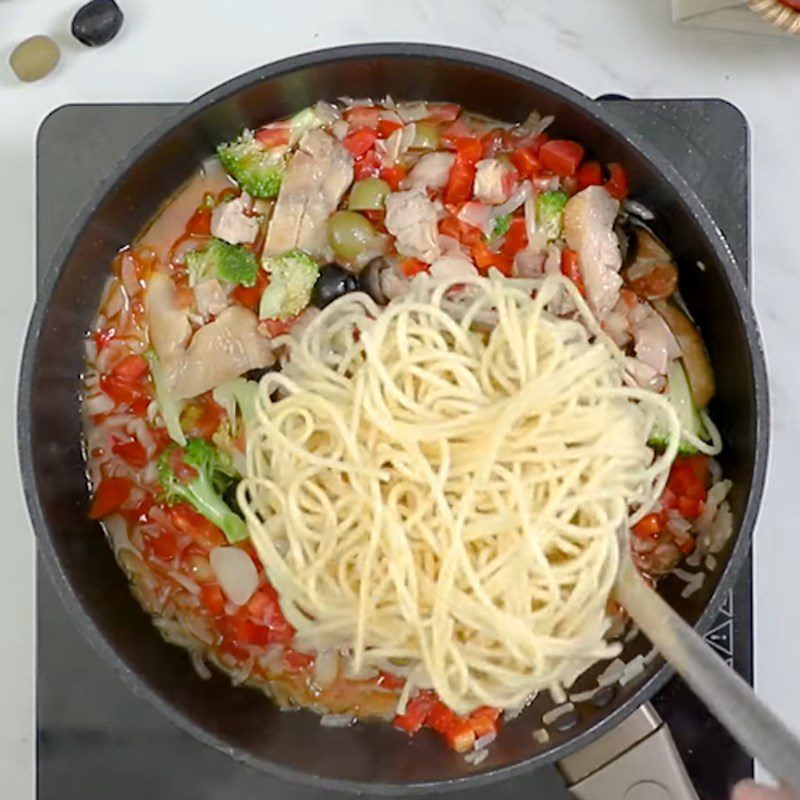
pixel 34 58
pixel 97 23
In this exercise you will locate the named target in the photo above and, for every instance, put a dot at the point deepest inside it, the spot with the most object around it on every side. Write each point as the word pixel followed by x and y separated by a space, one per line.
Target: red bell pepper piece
pixel 459 184
pixel 590 173
pixel 617 183
pixel 360 141
pixel 561 156
pixel 570 268
pixel 110 494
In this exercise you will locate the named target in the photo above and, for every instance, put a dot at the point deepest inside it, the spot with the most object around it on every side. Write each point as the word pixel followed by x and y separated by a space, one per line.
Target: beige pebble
pixel 34 58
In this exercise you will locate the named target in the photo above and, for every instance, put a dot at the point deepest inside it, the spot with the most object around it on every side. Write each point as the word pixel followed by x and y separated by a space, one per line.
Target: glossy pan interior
pixel 241 722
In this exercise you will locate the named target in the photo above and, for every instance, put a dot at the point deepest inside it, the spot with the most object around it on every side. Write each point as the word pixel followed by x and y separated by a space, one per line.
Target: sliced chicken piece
pixel 431 171
pixel 494 181
pixel 654 343
pixel 692 350
pixel 652 274
pixel 645 376
pixel 220 351
pixel 448 267
pixel 317 177
pixel 411 219
pixel 589 230
pixel 211 298
pixel 169 326
pixel 230 223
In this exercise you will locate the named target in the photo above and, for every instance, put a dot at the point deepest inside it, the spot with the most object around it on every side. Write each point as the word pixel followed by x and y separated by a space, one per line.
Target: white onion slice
pixel 235 572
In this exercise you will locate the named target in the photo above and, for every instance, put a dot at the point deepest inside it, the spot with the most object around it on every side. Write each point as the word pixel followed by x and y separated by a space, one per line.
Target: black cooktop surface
pixel 97 739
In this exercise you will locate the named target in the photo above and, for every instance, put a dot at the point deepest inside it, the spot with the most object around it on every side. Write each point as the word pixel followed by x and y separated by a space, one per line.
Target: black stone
pixel 97 23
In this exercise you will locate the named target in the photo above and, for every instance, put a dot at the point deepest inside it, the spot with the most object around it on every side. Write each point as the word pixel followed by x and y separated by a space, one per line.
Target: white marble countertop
pixel 173 51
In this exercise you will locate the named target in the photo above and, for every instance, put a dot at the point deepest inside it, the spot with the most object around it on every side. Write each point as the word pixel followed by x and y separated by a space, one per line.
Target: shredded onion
pixel 556 713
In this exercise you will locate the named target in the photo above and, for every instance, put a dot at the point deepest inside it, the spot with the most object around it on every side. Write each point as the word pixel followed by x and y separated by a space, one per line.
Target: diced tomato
pixel 459 184
pixel 140 405
pixel 188 521
pixel 486 712
pixel 469 149
pixel 459 735
pixel 526 162
pixel 131 368
pixel 688 477
pixel 368 166
pixel 360 141
pixel 394 175
pixel 202 417
pixel 440 717
pixel 650 526
pixel 164 547
pixel 280 632
pixel 277 327
pixel 199 223
pixel 262 602
pixel 590 173
pixel 481 726
pixel 617 183
pixel 390 682
pixel 110 494
pixel 484 258
pixel 139 512
pixel 295 660
pixel 230 647
pixel 132 452
pixel 516 238
pixel 363 116
pixel 570 268
pixel 412 266
pixel 274 135
pixel 561 156
pixel 450 226
pixel 103 337
pixel 212 598
pixel 386 127
pixel 443 112
pixel 690 507
pixel 243 631
pixel 416 713
pixel 686 544
pixel 250 296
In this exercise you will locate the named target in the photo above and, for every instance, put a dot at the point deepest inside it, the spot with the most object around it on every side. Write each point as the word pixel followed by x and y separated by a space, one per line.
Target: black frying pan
pixel 242 722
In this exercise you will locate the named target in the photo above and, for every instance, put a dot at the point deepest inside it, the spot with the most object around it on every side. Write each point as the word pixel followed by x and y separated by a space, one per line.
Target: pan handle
pixel 637 760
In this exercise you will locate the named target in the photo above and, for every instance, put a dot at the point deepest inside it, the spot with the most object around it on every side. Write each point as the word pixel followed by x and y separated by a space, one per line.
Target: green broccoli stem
pixel 203 497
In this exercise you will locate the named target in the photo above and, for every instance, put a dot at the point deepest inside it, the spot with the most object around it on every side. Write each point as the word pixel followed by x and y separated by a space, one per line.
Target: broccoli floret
pixel 292 276
pixel 170 407
pixel 233 263
pixel 258 170
pixel 500 226
pixel 214 475
pixel 550 212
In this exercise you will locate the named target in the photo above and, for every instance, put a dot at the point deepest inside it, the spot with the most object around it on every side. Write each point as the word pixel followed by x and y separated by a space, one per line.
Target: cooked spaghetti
pixel 440 485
